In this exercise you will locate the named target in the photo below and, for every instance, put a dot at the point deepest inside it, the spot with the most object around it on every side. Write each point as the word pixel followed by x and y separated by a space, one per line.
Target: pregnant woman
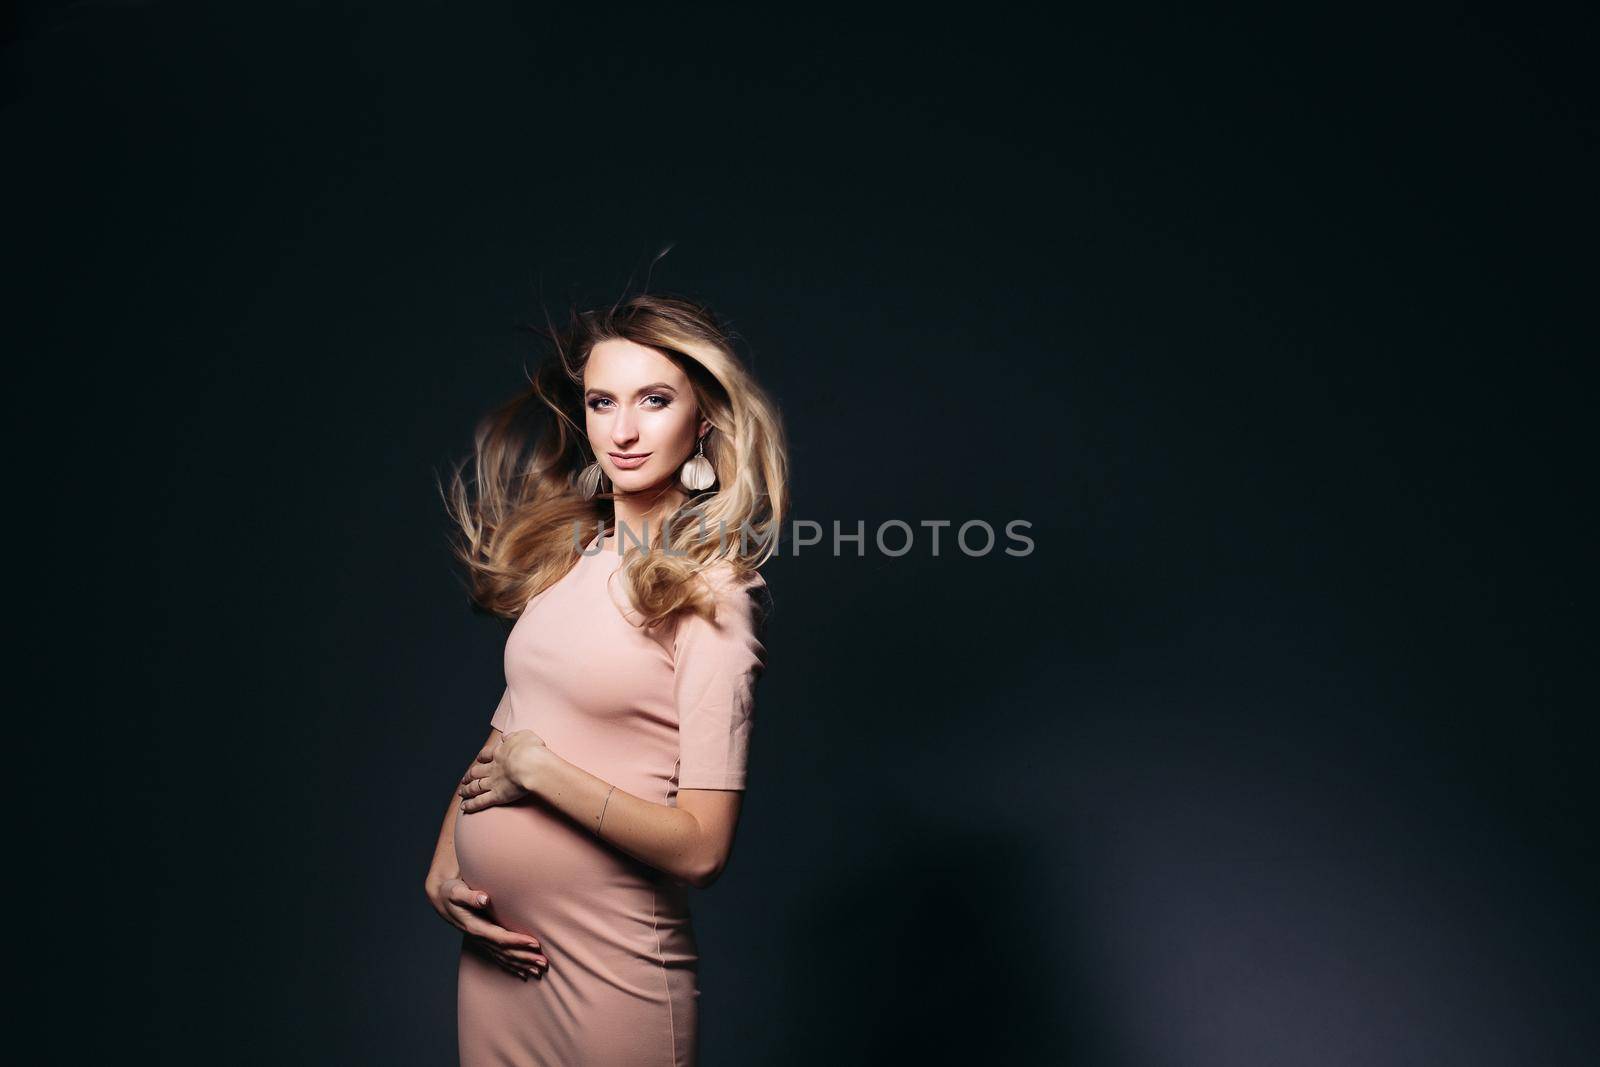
pixel 618 510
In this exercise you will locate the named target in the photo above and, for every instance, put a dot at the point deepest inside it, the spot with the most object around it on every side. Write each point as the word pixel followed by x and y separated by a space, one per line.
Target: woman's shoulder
pixel 729 585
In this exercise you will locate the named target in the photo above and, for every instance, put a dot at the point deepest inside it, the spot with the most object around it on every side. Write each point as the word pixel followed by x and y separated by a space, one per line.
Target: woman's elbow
pixel 703 873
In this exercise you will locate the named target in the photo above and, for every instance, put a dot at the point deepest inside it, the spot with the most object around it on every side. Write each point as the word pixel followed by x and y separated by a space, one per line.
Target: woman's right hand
pixel 464 908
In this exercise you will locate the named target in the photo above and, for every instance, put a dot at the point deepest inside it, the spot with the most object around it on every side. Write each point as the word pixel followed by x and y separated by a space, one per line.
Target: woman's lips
pixel 629 463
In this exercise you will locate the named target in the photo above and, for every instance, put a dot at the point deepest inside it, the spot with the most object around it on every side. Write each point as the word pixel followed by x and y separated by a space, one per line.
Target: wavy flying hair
pixel 514 516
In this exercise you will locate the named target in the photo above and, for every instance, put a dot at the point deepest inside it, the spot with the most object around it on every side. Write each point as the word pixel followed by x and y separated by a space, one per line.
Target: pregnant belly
pixel 544 873
pixel 605 920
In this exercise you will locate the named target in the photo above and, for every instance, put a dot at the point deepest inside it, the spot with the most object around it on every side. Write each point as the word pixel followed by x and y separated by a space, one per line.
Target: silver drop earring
pixel 589 480
pixel 698 474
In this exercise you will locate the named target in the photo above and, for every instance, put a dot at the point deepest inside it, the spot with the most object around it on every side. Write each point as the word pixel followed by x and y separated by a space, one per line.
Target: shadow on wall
pixel 945 949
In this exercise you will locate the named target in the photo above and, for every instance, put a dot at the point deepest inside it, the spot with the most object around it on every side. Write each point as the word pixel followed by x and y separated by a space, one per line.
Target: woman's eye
pixel 595 402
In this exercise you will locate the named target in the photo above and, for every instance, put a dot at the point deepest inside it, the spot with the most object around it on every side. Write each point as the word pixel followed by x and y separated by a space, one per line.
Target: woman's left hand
pixel 502 773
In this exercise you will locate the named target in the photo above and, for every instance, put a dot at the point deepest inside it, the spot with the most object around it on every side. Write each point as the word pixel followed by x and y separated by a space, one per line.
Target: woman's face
pixel 638 404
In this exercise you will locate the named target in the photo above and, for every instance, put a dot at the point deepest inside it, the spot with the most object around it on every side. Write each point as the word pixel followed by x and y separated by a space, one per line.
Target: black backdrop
pixel 1274 751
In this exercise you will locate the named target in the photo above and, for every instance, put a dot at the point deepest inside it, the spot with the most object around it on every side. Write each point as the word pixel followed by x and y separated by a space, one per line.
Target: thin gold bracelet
pixel 603 810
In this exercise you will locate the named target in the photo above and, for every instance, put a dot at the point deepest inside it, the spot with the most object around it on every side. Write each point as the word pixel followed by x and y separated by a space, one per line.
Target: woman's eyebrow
pixel 653 387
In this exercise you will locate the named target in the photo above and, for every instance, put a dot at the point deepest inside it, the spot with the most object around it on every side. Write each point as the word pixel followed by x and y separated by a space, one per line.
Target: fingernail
pixel 482 898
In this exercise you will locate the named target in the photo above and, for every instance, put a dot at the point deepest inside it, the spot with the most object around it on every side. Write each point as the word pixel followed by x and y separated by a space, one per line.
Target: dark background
pixel 1272 752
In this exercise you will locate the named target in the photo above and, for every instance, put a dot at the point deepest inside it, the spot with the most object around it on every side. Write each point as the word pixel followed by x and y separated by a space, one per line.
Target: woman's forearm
pixel 444 865
pixel 667 838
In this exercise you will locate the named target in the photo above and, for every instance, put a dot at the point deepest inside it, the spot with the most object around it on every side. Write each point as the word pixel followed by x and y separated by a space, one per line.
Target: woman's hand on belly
pixel 501 773
pixel 458 904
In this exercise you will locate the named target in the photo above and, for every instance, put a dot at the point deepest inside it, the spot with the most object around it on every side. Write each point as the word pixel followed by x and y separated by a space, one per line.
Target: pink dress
pixel 651 714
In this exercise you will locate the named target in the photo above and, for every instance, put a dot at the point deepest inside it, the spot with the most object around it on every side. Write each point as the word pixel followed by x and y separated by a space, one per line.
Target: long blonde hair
pixel 514 516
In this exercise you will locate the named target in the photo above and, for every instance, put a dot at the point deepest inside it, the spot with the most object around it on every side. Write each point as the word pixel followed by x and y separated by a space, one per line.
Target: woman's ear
pixel 705 427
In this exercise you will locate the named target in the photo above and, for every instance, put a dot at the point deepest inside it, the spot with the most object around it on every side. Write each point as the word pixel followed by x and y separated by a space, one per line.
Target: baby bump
pixel 543 873
pixel 607 922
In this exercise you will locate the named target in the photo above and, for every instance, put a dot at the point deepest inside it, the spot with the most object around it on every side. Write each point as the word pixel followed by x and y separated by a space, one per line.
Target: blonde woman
pixel 618 511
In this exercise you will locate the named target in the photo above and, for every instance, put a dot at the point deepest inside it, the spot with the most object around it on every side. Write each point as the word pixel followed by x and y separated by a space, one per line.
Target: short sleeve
pixel 502 714
pixel 716 665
